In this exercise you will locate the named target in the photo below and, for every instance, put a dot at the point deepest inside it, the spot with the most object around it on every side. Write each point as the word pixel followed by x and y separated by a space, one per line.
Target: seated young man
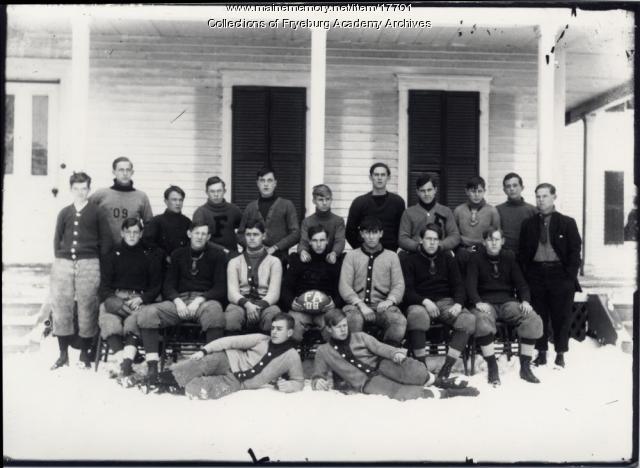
pixel 492 276
pixel 372 285
pixel 473 218
pixel 253 284
pixel 131 275
pixel 333 225
pixel 372 367
pixel 194 288
pixel 315 274
pixel 435 291
pixel 234 363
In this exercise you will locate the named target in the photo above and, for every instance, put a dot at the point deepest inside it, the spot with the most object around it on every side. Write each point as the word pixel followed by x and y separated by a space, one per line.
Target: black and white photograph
pixel 319 233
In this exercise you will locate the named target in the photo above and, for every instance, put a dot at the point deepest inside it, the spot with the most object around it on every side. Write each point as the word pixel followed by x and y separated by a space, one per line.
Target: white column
pixel 592 234
pixel 80 90
pixel 546 95
pixel 315 158
pixel 559 90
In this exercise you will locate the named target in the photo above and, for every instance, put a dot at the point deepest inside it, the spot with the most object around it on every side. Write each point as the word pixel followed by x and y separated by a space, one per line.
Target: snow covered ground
pixel 580 414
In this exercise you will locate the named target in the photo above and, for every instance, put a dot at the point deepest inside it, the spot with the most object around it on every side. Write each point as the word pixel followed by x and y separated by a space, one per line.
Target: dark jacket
pixel 420 284
pixel 317 274
pixel 565 240
pixel 167 231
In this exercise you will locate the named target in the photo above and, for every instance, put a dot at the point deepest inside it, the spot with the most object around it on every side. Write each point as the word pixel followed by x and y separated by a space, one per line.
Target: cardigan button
pixel 268 354
pixel 75 233
pixel 75 223
pixel 73 257
pixel 359 365
pixel 344 355
pixel 73 250
pixel 78 214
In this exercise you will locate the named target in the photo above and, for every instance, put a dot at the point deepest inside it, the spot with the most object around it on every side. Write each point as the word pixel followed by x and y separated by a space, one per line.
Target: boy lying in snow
pixel 234 363
pixel 376 368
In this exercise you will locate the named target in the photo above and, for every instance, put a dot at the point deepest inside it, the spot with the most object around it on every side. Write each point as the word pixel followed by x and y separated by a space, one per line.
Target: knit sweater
pixel 82 234
pixel 269 280
pixel 512 214
pixel 389 213
pixel 167 231
pixel 371 277
pixel 316 274
pixel 482 284
pixel 422 282
pixel 416 217
pixel 364 347
pixel 210 278
pixel 133 268
pixel 120 203
pixel 281 224
pixel 471 234
pixel 245 352
pixel 223 219
pixel 334 225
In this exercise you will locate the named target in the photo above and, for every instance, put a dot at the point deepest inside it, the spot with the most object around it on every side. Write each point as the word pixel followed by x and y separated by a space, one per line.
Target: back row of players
pixel 463 268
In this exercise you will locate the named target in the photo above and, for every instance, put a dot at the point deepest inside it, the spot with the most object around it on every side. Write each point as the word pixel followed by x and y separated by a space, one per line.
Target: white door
pixel 32 193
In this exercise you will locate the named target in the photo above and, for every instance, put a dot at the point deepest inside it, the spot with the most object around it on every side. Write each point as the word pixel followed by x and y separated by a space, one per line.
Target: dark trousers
pixel 552 292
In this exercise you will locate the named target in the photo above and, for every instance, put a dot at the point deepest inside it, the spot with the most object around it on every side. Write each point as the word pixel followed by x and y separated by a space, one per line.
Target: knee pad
pixel 147 317
pixel 466 322
pixel 355 320
pixel 418 318
pixel 234 318
pixel 484 325
pixel 110 325
pixel 531 327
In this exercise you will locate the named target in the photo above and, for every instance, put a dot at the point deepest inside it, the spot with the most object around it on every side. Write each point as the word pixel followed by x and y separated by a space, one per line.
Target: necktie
pixel 496 272
pixel 432 266
pixel 544 229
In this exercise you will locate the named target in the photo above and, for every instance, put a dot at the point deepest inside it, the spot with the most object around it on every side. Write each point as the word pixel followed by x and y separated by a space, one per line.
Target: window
pixel 268 128
pixel 39 135
pixel 9 109
pixel 613 207
pixel 443 138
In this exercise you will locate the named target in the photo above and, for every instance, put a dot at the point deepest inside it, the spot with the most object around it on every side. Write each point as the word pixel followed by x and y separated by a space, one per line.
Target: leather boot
pixel 525 370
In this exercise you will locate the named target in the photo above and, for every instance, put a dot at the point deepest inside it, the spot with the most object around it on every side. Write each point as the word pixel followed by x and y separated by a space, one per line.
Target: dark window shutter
pixel 444 140
pixel 613 207
pixel 268 129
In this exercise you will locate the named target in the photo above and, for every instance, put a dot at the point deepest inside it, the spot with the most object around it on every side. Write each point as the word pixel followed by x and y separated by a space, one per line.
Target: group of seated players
pixel 132 275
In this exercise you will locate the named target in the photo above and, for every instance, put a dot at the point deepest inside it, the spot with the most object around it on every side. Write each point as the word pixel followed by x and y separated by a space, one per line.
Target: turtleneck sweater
pixel 316 274
pixel 335 231
pixel 512 214
pixel 223 219
pixel 208 277
pixel 494 279
pixel 167 231
pixel 474 219
pixel 418 216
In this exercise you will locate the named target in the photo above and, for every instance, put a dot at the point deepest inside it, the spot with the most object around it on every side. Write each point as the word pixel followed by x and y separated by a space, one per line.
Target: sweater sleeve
pixel 456 283
pixel 147 213
pixel 219 289
pixel 288 292
pixel 57 236
pixel 275 281
pixel 151 233
pixel 411 296
pixel 353 220
pixel 170 286
pixel 339 237
pixel 345 286
pixel 233 281
pixel 321 367
pixel 495 218
pixel 304 236
pixel 106 275
pixel 472 281
pixel 382 350
pixel 404 234
pixel 104 233
pixel 397 280
pixel 294 370
pixel 521 286
pixel 452 234
pixel 198 216
pixel 246 215
pixel 156 258
pixel 235 342
pixel 293 228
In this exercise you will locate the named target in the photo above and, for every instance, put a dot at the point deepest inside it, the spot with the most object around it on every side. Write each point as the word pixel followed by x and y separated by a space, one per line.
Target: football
pixel 314 302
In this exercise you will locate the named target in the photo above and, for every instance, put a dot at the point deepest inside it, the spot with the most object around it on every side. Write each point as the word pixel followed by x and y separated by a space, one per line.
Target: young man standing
pixel 379 203
pixel 222 217
pixel 253 284
pixel 550 255
pixel 194 288
pixel 276 213
pixel 121 200
pixel 427 211
pixel 514 211
pixel 81 237
pixel 372 285
pixel 435 292
pixel 492 276
pixel 234 363
pixel 375 368
pixel 131 276
pixel 333 225
pixel 315 274
pixel 168 231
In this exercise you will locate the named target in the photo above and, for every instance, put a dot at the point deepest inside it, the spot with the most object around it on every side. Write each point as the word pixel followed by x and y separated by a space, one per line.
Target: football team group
pixel 127 275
